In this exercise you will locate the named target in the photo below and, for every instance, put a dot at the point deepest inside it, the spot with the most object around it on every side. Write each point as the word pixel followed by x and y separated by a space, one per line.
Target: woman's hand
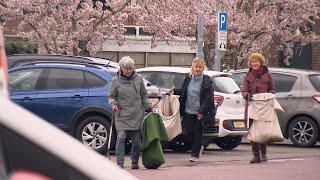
pixel 170 92
pixel 199 116
pixel 115 108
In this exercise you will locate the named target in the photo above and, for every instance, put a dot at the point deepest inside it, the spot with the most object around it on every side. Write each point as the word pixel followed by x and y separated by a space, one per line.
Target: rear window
pixel 283 83
pixel 315 81
pixel 225 85
pixel 94 80
pixel 64 79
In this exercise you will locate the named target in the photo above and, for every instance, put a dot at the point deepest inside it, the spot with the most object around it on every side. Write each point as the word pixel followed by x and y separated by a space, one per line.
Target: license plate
pixel 238 124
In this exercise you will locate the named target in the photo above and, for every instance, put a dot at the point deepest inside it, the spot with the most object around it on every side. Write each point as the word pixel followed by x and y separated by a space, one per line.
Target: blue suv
pixel 72 97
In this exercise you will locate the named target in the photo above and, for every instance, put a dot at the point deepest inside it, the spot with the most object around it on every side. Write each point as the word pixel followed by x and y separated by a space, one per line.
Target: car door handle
pixel 77 96
pixel 26 99
pixel 290 96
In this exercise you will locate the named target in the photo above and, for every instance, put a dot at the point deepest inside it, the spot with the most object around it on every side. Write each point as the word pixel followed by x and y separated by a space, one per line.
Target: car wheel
pixel 228 142
pixel 179 146
pixel 303 132
pixel 93 132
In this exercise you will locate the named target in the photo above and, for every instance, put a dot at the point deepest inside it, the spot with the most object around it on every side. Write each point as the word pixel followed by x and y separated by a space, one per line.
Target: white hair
pixel 126 62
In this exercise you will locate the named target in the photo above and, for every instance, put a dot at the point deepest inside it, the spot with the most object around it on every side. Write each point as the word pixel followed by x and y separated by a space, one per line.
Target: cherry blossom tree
pixel 80 27
pixel 255 24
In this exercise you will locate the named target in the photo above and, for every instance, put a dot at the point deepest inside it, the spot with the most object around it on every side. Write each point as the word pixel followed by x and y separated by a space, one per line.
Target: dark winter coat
pixel 206 94
pixel 261 83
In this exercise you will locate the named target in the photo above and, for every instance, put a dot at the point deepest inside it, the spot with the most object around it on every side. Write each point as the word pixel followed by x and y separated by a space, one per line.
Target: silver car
pixel 298 92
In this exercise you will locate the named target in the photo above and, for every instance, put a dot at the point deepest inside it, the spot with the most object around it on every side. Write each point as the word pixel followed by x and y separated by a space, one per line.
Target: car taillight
pixel 317 97
pixel 218 100
pixel 3 69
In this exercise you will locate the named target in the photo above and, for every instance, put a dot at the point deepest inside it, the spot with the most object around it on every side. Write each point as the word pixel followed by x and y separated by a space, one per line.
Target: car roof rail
pixel 87 64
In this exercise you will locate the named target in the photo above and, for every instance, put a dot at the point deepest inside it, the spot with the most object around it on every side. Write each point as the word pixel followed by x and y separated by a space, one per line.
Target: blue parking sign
pixel 223 18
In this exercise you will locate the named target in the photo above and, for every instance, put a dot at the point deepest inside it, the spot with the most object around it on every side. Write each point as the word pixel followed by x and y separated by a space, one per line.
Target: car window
pixel 146 75
pixel 238 78
pixel 225 85
pixel 315 81
pixel 170 80
pixel 94 80
pixel 64 79
pixel 24 80
pixel 283 83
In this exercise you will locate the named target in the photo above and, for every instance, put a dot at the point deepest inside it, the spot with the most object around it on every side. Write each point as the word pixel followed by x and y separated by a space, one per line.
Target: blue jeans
pixel 120 146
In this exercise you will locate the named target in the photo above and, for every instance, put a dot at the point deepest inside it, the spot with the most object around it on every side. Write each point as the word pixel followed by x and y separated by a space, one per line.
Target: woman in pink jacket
pixel 257 80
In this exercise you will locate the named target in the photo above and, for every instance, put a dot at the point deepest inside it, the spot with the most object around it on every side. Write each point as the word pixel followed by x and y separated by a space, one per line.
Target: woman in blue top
pixel 196 99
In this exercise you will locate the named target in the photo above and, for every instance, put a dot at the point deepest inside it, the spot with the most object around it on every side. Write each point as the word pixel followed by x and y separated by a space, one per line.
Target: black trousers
pixel 194 129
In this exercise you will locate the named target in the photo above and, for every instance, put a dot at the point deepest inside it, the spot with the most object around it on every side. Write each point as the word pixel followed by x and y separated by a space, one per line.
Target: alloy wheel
pixel 94 135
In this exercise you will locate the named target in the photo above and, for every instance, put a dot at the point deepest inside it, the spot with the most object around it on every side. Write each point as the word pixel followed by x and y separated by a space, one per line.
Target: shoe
pixel 193 159
pixel 256 159
pixel 264 158
pixel 134 166
pixel 121 166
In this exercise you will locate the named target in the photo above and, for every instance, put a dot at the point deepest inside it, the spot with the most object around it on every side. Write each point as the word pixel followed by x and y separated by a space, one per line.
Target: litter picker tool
pixel 110 134
pixel 167 93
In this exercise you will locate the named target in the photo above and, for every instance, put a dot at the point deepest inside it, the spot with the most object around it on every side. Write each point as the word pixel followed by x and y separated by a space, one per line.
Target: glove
pixel 248 97
pixel 272 91
pixel 115 108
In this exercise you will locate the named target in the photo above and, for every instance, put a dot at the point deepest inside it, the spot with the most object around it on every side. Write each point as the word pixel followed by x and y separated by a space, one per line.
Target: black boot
pixel 256 153
pixel 263 149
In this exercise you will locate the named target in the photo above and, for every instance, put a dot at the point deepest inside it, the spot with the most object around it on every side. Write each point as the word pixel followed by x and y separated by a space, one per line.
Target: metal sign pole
pixel 200 54
pixel 216 66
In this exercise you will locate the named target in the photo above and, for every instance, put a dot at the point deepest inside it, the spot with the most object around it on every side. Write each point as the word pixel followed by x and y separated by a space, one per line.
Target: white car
pixel 229 126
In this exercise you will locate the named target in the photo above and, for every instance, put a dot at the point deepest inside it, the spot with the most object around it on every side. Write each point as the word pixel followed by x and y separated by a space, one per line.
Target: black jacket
pixel 206 94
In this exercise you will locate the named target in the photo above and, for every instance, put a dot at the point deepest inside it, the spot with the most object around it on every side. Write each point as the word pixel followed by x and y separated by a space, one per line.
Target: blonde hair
pixel 196 61
pixel 256 56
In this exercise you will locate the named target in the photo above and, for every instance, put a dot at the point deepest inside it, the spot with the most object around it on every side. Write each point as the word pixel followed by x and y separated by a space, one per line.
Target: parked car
pixel 229 126
pixel 72 97
pixel 298 92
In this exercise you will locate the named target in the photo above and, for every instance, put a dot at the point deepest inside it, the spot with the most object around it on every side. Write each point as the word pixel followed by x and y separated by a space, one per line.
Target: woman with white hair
pixel 128 98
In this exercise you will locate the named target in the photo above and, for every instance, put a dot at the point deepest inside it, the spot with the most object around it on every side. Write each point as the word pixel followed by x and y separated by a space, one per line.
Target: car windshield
pixel 225 85
pixel 315 81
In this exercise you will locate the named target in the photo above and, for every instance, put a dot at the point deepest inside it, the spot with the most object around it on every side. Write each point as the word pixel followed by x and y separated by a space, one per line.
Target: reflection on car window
pixel 224 85
pixel 170 80
pixel 238 78
pixel 64 79
pixel 315 81
pixel 146 75
pixel 24 80
pixel 283 83
pixel 94 80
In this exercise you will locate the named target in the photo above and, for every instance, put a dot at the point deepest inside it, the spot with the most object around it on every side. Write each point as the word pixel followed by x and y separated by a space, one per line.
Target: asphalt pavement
pixel 283 169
